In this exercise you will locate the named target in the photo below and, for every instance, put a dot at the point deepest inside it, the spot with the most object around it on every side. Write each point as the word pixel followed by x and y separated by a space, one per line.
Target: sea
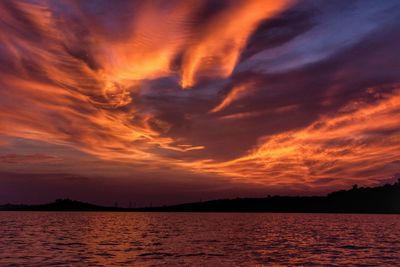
pixel 198 239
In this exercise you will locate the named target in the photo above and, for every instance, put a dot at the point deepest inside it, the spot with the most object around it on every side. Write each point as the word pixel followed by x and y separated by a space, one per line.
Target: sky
pixel 161 102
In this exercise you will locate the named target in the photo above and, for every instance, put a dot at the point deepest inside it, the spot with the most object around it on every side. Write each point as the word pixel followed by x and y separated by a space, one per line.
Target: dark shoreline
pixel 358 200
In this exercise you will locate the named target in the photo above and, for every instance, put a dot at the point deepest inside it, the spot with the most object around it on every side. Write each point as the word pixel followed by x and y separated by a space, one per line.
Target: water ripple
pixel 170 239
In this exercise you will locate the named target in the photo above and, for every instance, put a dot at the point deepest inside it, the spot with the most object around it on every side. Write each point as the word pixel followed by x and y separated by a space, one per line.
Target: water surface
pixel 216 239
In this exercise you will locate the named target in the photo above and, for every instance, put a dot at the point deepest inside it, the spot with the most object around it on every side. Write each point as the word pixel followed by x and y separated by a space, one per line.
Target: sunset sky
pixel 169 101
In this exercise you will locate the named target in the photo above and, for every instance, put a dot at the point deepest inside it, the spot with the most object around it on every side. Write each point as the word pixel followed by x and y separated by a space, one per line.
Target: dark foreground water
pixel 212 239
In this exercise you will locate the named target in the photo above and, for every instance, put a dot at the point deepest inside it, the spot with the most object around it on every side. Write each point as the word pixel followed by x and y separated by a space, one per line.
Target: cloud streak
pixel 30 159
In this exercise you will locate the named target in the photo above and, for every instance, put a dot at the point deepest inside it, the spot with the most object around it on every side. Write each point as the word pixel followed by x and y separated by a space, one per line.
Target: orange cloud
pixel 362 142
pixel 216 50
pixel 233 95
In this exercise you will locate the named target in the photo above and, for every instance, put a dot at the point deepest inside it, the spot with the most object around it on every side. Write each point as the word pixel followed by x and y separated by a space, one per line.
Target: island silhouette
pixel 381 199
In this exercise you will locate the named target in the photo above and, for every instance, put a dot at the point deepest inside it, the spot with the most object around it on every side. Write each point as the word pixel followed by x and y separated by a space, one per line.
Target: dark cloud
pixel 27 159
pixel 279 30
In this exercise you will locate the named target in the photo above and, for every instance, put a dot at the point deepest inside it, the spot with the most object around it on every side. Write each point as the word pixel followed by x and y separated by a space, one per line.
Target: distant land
pixel 382 199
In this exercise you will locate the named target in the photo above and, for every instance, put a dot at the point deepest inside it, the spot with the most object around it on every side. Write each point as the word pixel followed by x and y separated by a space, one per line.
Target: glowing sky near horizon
pixel 178 100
